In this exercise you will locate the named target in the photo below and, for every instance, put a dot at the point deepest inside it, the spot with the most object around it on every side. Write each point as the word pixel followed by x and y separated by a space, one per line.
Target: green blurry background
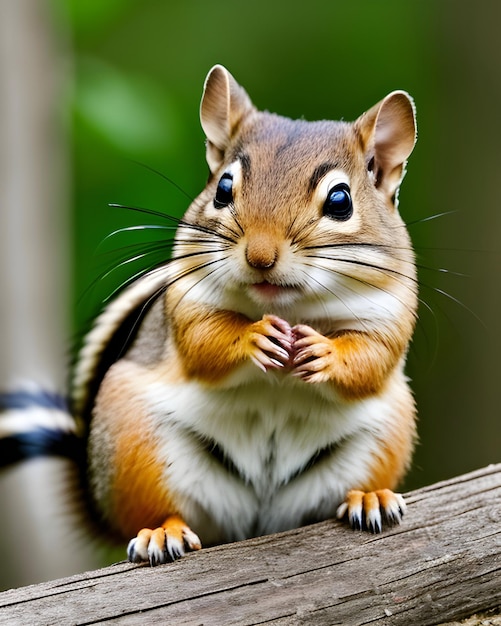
pixel 139 67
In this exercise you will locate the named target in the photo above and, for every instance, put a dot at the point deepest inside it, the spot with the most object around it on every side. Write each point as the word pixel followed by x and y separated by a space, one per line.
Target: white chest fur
pixel 266 456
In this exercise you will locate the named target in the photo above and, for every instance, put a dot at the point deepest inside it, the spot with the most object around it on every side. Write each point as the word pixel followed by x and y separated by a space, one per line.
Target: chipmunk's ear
pixel 224 105
pixel 388 133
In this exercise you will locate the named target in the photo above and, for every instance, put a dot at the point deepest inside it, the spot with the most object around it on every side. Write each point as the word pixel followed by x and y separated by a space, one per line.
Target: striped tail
pixel 37 423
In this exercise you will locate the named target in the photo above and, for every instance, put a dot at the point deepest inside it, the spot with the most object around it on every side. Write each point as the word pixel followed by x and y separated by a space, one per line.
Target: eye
pixel 338 204
pixel 224 191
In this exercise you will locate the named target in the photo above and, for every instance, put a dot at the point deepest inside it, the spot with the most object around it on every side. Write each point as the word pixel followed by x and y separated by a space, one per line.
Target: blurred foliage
pixel 139 68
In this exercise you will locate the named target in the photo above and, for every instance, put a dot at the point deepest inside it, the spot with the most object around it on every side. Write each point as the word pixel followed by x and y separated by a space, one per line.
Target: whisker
pixel 215 240
pixel 181 223
pixel 421 266
pixel 383 270
pixel 367 283
pixel 419 322
pixel 232 235
pixel 139 209
pixel 422 326
pixel 191 271
pixel 382 246
pixel 442 270
pixel 168 244
pixel 126 283
pixel 309 290
pixel 398 274
pixel 348 288
pixel 139 318
pixel 165 177
pixel 429 218
pixel 208 231
pixel 377 248
pixel 142 227
pixel 347 244
pixel 146 248
pixel 459 303
pixel 164 264
pixel 126 261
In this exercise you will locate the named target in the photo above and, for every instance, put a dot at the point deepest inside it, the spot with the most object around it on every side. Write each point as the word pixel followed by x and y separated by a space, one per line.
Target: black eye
pixel 338 204
pixel 224 191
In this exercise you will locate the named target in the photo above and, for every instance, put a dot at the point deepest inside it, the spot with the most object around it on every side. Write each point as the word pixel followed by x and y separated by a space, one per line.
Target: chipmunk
pixel 261 384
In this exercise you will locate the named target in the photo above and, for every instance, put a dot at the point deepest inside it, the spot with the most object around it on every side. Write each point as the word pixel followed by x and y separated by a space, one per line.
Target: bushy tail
pixel 37 423
pixel 45 527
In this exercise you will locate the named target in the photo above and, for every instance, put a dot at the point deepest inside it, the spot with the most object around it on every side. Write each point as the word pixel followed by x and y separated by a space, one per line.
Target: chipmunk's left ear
pixel 388 133
pixel 224 105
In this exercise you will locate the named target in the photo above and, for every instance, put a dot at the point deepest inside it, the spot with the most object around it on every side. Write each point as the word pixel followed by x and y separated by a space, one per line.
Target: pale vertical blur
pixel 37 538
pixel 34 197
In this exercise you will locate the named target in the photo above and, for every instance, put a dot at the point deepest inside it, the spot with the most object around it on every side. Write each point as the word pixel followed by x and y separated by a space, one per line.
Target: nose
pixel 261 252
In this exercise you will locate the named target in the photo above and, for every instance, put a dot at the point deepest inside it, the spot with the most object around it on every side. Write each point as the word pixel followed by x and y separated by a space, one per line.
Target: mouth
pixel 271 291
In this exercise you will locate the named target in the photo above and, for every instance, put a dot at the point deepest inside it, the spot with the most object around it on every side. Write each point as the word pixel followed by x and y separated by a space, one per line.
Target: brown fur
pixel 138 495
pixel 274 224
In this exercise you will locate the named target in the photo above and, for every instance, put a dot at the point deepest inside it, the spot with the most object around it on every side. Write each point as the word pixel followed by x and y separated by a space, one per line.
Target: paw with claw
pixel 370 510
pixel 313 355
pixel 271 342
pixel 164 544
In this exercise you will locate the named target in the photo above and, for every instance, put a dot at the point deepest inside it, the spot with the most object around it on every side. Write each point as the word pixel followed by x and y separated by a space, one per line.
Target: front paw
pixel 164 544
pixel 270 343
pixel 313 355
pixel 370 510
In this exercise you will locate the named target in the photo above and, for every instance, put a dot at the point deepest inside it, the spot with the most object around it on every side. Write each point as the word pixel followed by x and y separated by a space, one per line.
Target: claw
pixel 311 354
pixel 371 510
pixel 271 340
pixel 164 544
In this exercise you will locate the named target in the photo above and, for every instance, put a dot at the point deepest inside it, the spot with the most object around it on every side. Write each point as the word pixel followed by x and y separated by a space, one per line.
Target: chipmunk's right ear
pixel 224 105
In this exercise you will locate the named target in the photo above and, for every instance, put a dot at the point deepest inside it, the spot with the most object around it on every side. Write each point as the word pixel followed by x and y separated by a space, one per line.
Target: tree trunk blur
pixel 36 541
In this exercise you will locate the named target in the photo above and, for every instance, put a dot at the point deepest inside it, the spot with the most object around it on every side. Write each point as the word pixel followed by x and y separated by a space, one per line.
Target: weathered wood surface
pixel 442 564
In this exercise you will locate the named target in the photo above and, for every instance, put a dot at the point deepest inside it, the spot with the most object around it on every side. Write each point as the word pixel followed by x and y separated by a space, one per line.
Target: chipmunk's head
pixel 297 212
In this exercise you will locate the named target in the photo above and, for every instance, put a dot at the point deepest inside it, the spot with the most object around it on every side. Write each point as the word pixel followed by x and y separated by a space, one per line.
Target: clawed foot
pixel 163 545
pixel 312 355
pixel 306 352
pixel 369 510
pixel 271 339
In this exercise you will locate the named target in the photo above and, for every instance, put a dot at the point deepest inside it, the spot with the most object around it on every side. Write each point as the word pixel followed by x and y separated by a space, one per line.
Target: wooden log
pixel 443 563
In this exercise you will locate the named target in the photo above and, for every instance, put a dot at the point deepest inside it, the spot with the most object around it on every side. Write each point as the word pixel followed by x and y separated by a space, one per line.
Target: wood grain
pixel 442 564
